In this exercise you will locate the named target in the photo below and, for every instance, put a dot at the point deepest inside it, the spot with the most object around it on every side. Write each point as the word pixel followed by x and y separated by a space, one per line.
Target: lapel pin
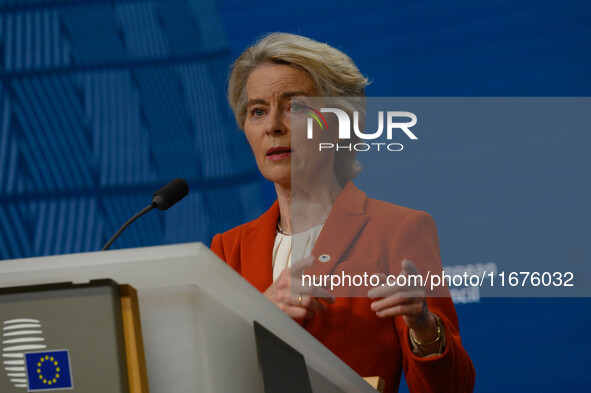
pixel 324 258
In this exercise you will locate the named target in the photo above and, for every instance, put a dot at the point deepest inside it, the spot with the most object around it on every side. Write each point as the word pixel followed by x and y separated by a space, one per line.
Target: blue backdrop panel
pixel 104 102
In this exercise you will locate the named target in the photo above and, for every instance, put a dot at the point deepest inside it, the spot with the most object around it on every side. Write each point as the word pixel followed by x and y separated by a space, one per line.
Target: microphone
pixel 163 199
pixel 170 194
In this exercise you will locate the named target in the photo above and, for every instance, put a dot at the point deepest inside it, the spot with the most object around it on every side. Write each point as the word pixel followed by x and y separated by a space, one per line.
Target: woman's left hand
pixel 408 301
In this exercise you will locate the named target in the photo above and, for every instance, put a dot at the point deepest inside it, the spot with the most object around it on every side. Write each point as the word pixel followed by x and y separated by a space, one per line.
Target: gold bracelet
pixel 414 340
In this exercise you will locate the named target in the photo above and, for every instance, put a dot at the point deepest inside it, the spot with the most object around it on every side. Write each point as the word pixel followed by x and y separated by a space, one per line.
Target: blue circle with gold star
pixel 48 370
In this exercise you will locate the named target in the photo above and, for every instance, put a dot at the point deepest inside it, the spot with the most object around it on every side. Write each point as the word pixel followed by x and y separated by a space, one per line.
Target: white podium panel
pixel 197 317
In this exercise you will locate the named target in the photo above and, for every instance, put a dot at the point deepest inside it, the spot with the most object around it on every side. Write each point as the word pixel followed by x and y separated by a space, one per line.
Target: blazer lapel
pixel 346 219
pixel 257 249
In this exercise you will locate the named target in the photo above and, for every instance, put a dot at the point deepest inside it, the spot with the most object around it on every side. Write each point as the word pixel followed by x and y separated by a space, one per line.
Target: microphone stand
pixel 127 223
pixel 162 199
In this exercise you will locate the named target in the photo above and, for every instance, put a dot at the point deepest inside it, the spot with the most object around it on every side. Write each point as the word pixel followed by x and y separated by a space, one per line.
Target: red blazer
pixel 363 234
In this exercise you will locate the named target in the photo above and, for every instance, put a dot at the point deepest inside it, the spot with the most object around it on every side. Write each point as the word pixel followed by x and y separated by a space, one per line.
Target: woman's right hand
pixel 297 301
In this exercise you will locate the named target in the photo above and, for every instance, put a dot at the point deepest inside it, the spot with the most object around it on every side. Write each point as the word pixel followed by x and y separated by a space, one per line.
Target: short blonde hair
pixel 333 72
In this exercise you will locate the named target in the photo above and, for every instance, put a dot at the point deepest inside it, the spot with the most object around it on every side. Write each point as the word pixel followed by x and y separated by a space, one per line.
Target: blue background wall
pixel 102 102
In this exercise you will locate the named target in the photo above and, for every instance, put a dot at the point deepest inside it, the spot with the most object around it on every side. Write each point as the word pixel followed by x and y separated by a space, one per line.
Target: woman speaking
pixel 327 225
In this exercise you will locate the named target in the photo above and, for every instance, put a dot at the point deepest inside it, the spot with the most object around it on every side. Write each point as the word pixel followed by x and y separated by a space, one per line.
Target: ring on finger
pixel 300 300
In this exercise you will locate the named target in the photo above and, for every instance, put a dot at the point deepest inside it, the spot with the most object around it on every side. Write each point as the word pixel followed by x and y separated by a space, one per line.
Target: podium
pixel 197 318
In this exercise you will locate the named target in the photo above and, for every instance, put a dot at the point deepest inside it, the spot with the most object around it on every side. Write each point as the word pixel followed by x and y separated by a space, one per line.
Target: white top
pixel 296 247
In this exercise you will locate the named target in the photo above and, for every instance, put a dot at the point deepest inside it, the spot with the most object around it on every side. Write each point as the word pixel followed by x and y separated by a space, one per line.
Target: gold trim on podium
pixel 134 343
pixel 377 383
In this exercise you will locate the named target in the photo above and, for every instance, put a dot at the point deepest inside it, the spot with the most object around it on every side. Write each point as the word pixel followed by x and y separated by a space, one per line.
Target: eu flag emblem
pixel 49 370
